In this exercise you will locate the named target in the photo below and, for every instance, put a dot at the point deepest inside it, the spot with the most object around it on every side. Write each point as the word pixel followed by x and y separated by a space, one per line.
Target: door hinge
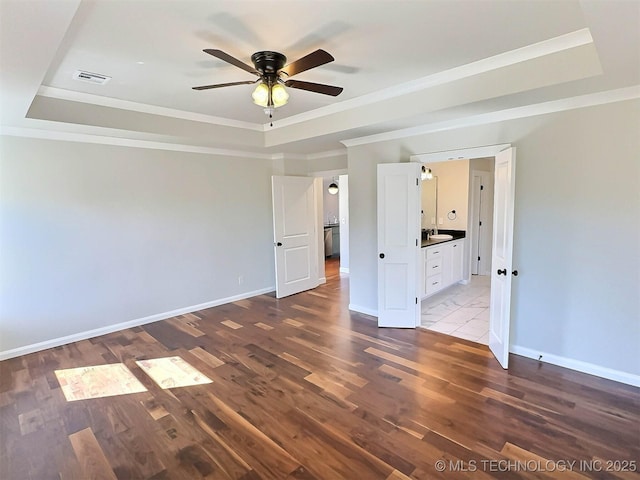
pixel 478 258
pixel 416 242
pixel 416 300
pixel 417 184
pixel 481 187
pixel 480 223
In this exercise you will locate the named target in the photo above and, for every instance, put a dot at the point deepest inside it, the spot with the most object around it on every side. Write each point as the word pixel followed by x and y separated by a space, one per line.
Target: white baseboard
pixel 365 310
pixel 76 337
pixel 322 280
pixel 344 269
pixel 578 365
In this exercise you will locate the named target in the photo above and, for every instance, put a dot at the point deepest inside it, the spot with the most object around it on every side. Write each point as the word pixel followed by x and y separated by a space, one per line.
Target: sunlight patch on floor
pixel 172 372
pixel 98 381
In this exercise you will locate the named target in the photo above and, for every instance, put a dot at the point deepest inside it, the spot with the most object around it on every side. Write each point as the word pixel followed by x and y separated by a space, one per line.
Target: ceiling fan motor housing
pixel 268 63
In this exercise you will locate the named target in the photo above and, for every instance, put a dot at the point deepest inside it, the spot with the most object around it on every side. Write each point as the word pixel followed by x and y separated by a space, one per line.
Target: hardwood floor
pixel 304 389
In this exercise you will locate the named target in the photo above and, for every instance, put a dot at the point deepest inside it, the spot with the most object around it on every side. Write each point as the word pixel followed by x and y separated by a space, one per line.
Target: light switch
pixel 440 221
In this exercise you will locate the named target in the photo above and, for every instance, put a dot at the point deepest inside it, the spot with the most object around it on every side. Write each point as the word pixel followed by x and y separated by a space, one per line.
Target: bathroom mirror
pixel 429 203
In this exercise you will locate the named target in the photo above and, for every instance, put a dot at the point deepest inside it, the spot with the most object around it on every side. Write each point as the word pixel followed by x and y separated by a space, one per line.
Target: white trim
pixel 47 134
pixel 76 337
pixel 344 270
pixel 327 154
pixel 365 310
pixel 582 101
pixel 571 103
pixel 288 156
pixel 578 365
pixel 501 60
pixel 463 153
pixel 322 280
pixel 127 142
pixel 73 96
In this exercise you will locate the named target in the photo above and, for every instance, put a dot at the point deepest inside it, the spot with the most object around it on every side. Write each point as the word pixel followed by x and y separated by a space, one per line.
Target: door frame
pixel 318 176
pixel 467 153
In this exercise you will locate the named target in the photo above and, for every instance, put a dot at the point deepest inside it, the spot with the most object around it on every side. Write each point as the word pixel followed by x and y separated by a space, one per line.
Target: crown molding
pixel 461 154
pixel 327 154
pixel 127 142
pixel 288 156
pixel 570 103
pixel 529 52
pixel 94 138
pixel 594 99
pixel 61 94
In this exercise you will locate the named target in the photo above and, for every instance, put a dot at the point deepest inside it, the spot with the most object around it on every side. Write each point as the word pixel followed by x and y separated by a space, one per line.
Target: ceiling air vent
pixel 90 77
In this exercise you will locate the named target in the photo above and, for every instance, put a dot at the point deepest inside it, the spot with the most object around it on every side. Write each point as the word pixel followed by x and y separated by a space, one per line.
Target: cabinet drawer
pixel 435 252
pixel 434 283
pixel 434 266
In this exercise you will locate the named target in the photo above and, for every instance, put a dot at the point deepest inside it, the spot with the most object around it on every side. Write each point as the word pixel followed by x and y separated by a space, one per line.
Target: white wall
pixel 325 164
pixel 95 235
pixel 453 192
pixel 577 228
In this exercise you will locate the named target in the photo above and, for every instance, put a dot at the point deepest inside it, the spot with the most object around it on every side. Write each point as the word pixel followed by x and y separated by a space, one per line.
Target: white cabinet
pixel 457 254
pixel 433 260
pixel 442 266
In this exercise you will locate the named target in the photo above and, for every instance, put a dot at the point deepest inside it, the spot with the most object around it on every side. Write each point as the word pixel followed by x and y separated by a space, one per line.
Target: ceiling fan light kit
pixel 270 68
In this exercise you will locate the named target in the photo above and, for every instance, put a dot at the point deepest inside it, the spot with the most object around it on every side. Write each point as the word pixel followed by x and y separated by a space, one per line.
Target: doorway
pixel 397 290
pixel 335 220
pixel 462 310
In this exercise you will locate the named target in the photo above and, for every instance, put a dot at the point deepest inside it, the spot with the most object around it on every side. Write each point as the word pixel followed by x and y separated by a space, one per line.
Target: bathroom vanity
pixel 442 265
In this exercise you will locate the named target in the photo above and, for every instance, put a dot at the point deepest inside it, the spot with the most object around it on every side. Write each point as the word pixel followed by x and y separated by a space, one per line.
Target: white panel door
pixel 295 238
pixel 501 267
pixel 398 244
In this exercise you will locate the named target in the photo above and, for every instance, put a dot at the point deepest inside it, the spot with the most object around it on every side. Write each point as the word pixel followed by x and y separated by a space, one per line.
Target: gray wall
pixel 96 235
pixel 577 228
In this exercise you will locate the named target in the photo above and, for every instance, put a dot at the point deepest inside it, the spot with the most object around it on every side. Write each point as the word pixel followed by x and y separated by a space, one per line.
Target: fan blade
pixel 229 59
pixel 220 85
pixel 314 59
pixel 315 87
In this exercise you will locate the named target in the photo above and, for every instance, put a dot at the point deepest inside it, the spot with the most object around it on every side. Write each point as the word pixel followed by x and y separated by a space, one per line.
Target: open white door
pixel 501 267
pixel 398 244
pixel 295 239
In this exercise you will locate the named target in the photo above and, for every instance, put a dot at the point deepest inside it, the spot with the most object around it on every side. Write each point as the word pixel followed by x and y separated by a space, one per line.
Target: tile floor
pixel 460 310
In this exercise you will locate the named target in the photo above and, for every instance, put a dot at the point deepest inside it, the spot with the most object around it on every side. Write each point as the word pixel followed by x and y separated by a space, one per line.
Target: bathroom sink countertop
pixel 455 234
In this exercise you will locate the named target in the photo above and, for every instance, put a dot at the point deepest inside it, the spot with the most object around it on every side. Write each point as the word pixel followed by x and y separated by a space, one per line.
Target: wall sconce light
pixel 426 173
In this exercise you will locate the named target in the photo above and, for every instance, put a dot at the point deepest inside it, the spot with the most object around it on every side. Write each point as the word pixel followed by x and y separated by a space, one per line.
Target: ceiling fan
pixel 273 76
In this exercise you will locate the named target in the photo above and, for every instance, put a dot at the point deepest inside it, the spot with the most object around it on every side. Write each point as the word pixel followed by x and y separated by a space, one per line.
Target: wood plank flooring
pixel 304 389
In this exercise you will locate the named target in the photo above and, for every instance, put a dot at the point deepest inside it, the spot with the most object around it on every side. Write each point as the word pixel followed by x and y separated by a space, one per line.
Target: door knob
pixel 514 273
pixel 502 272
pixel 279 244
pixel 382 255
